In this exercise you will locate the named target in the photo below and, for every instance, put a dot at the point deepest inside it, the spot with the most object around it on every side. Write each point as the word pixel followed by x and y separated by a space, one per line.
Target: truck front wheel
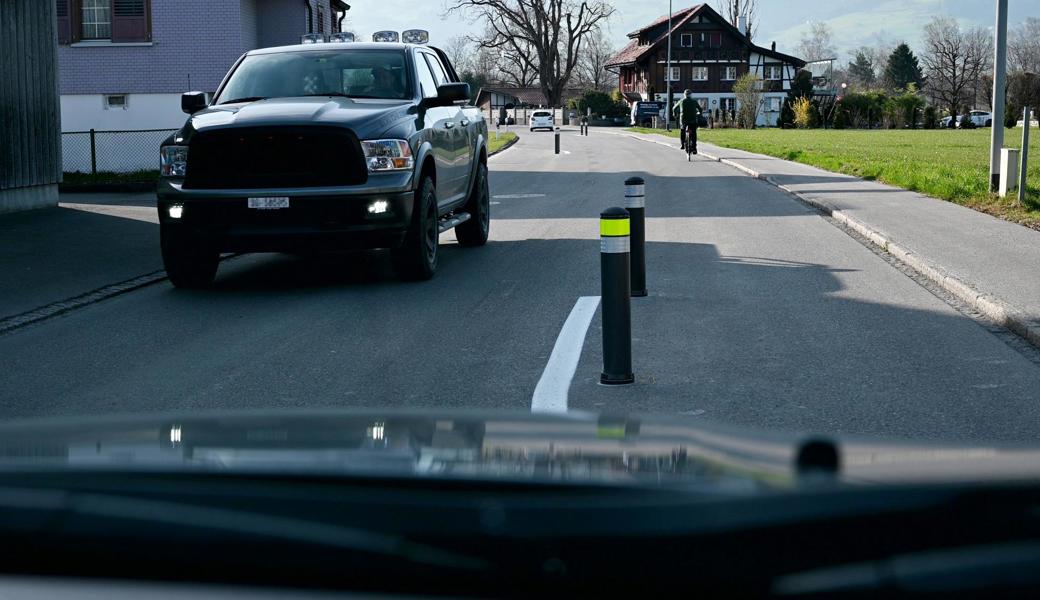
pixel 190 263
pixel 416 259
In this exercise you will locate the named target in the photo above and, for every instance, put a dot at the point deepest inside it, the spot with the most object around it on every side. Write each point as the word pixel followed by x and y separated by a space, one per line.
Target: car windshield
pixel 354 73
pixel 587 247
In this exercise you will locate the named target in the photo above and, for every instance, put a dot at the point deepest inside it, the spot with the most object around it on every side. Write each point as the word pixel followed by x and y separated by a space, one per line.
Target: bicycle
pixel 686 137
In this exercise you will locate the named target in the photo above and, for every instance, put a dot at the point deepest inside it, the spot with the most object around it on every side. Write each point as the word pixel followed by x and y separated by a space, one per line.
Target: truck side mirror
pixel 450 93
pixel 193 102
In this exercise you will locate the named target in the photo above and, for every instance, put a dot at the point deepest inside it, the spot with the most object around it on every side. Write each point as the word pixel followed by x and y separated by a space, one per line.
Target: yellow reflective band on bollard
pixel 614 227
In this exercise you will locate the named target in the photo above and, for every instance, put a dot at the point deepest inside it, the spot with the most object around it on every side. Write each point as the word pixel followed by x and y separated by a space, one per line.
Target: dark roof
pixel 632 52
pixel 531 95
pixel 664 19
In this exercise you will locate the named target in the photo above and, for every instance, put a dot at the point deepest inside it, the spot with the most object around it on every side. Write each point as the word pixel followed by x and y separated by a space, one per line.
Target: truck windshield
pixel 357 73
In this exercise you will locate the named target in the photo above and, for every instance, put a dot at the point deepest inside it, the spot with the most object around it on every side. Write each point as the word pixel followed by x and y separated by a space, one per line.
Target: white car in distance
pixel 542 119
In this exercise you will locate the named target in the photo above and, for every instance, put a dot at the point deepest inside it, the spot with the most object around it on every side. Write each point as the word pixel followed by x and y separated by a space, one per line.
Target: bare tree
pixel 592 72
pixel 817 43
pixel 732 9
pixel 1024 47
pixel 748 90
pixel 545 35
pixel 460 53
pixel 954 61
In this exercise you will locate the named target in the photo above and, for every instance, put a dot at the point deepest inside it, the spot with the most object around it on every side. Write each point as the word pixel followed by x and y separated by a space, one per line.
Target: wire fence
pixel 99 156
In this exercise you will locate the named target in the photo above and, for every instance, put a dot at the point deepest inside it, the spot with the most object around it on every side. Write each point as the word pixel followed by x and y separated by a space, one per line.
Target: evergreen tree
pixel 903 69
pixel 861 70
pixel 801 86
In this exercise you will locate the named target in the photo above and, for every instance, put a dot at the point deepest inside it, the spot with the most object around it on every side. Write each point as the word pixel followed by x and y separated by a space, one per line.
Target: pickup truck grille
pixel 275 157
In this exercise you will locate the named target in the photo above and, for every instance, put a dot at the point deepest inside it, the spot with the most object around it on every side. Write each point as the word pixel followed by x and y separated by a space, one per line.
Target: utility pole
pixel 668 69
pixel 996 141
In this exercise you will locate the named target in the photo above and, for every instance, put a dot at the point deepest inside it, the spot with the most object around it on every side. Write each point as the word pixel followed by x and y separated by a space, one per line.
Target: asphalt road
pixel 761 313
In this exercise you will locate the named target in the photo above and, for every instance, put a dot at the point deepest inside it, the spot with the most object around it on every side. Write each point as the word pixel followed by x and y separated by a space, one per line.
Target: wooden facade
pixel 30 143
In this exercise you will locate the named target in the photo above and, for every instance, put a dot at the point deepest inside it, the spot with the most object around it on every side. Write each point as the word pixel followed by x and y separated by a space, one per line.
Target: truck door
pixel 459 132
pixel 438 122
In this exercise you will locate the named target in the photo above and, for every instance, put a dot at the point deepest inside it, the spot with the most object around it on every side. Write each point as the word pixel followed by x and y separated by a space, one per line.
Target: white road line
pixel 550 395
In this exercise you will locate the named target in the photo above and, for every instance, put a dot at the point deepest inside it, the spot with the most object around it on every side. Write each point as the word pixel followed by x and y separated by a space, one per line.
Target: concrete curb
pixel 989 305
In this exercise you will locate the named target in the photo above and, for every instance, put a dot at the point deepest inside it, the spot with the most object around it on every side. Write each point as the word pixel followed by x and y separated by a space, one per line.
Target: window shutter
pixel 131 21
pixel 64 22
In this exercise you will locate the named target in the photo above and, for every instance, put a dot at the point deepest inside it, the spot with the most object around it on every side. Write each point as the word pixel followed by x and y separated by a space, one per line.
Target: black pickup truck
pixel 328 147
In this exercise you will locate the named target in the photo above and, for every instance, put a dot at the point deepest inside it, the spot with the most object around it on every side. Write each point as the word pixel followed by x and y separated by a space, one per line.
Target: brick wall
pixel 281 22
pixel 250 35
pixel 196 40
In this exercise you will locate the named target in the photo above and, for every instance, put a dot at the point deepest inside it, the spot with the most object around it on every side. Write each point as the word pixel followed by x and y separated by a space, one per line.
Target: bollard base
pixel 639 294
pixel 617 379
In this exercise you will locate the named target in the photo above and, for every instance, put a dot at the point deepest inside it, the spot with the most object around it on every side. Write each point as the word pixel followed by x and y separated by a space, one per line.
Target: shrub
pixel 748 90
pixel 1011 114
pixel 786 119
pixel 841 119
pixel 805 114
pixel 931 118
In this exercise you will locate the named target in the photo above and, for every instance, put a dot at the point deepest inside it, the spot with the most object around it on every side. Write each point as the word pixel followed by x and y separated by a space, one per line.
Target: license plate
pixel 269 203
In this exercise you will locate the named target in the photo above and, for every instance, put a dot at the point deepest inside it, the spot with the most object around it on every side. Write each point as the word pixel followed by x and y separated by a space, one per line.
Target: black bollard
pixel 557 141
pixel 617 302
pixel 635 203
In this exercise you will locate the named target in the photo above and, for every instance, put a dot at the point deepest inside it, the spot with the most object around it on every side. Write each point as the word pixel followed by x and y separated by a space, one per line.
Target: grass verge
pixel 498 142
pixel 948 164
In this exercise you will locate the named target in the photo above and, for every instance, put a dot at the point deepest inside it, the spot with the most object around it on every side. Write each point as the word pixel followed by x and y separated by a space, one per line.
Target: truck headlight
pixel 387 155
pixel 173 161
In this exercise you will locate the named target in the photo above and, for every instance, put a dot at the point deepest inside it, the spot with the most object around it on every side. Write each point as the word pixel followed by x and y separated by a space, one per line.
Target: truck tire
pixel 474 232
pixel 189 263
pixel 416 258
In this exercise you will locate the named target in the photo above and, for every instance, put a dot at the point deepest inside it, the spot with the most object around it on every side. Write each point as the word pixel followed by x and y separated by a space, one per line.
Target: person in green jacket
pixel 689 116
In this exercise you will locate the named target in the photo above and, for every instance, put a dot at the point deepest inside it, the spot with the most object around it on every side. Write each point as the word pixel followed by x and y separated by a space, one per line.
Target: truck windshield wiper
pixel 249 99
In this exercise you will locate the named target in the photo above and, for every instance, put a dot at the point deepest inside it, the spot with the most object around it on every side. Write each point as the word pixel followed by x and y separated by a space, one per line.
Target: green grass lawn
pixel 952 165
pixel 499 141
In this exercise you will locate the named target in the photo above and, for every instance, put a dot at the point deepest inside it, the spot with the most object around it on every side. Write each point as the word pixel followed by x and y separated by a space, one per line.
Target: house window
pixel 96 21
pixel 729 73
pixel 674 76
pixel 120 21
pixel 700 73
pixel 728 103
pixel 686 40
pixel 772 104
pixel 774 72
pixel 715 40
pixel 115 102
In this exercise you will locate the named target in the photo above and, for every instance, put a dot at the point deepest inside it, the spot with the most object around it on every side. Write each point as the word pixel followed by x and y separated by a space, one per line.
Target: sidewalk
pixel 88 242
pixel 990 264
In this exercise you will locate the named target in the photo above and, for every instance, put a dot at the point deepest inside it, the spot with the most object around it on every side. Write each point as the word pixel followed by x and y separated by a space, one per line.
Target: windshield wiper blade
pixel 249 99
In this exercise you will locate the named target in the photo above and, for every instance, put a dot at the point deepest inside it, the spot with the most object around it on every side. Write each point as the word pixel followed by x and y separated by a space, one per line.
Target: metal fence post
pixel 635 203
pixel 93 154
pixel 1023 171
pixel 614 246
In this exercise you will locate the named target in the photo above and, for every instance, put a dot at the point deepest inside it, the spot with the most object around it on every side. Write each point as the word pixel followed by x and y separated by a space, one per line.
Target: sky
pixel 854 22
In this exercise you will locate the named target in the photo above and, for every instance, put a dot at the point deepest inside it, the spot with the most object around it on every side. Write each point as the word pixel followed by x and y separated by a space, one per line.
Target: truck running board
pixel 452 220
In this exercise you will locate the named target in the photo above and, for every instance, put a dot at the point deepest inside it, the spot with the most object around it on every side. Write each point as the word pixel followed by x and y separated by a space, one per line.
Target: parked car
pixel 542 119
pixel 944 123
pixel 979 118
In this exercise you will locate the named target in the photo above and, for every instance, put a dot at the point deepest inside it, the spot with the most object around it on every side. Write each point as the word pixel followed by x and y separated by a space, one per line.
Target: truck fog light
pixel 175 211
pixel 378 207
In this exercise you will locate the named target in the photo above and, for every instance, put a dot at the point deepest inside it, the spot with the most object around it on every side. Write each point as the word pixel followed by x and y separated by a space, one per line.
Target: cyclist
pixel 689 111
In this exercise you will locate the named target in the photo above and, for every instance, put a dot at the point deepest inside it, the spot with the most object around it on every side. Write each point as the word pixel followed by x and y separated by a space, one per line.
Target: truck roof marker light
pixel 312 38
pixel 343 37
pixel 385 36
pixel 415 36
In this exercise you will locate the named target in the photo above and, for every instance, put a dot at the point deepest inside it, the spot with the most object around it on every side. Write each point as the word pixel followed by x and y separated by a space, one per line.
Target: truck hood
pixel 368 118
pixel 588 447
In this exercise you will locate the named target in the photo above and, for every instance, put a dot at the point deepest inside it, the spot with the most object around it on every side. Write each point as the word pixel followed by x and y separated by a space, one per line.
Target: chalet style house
pixel 708 55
